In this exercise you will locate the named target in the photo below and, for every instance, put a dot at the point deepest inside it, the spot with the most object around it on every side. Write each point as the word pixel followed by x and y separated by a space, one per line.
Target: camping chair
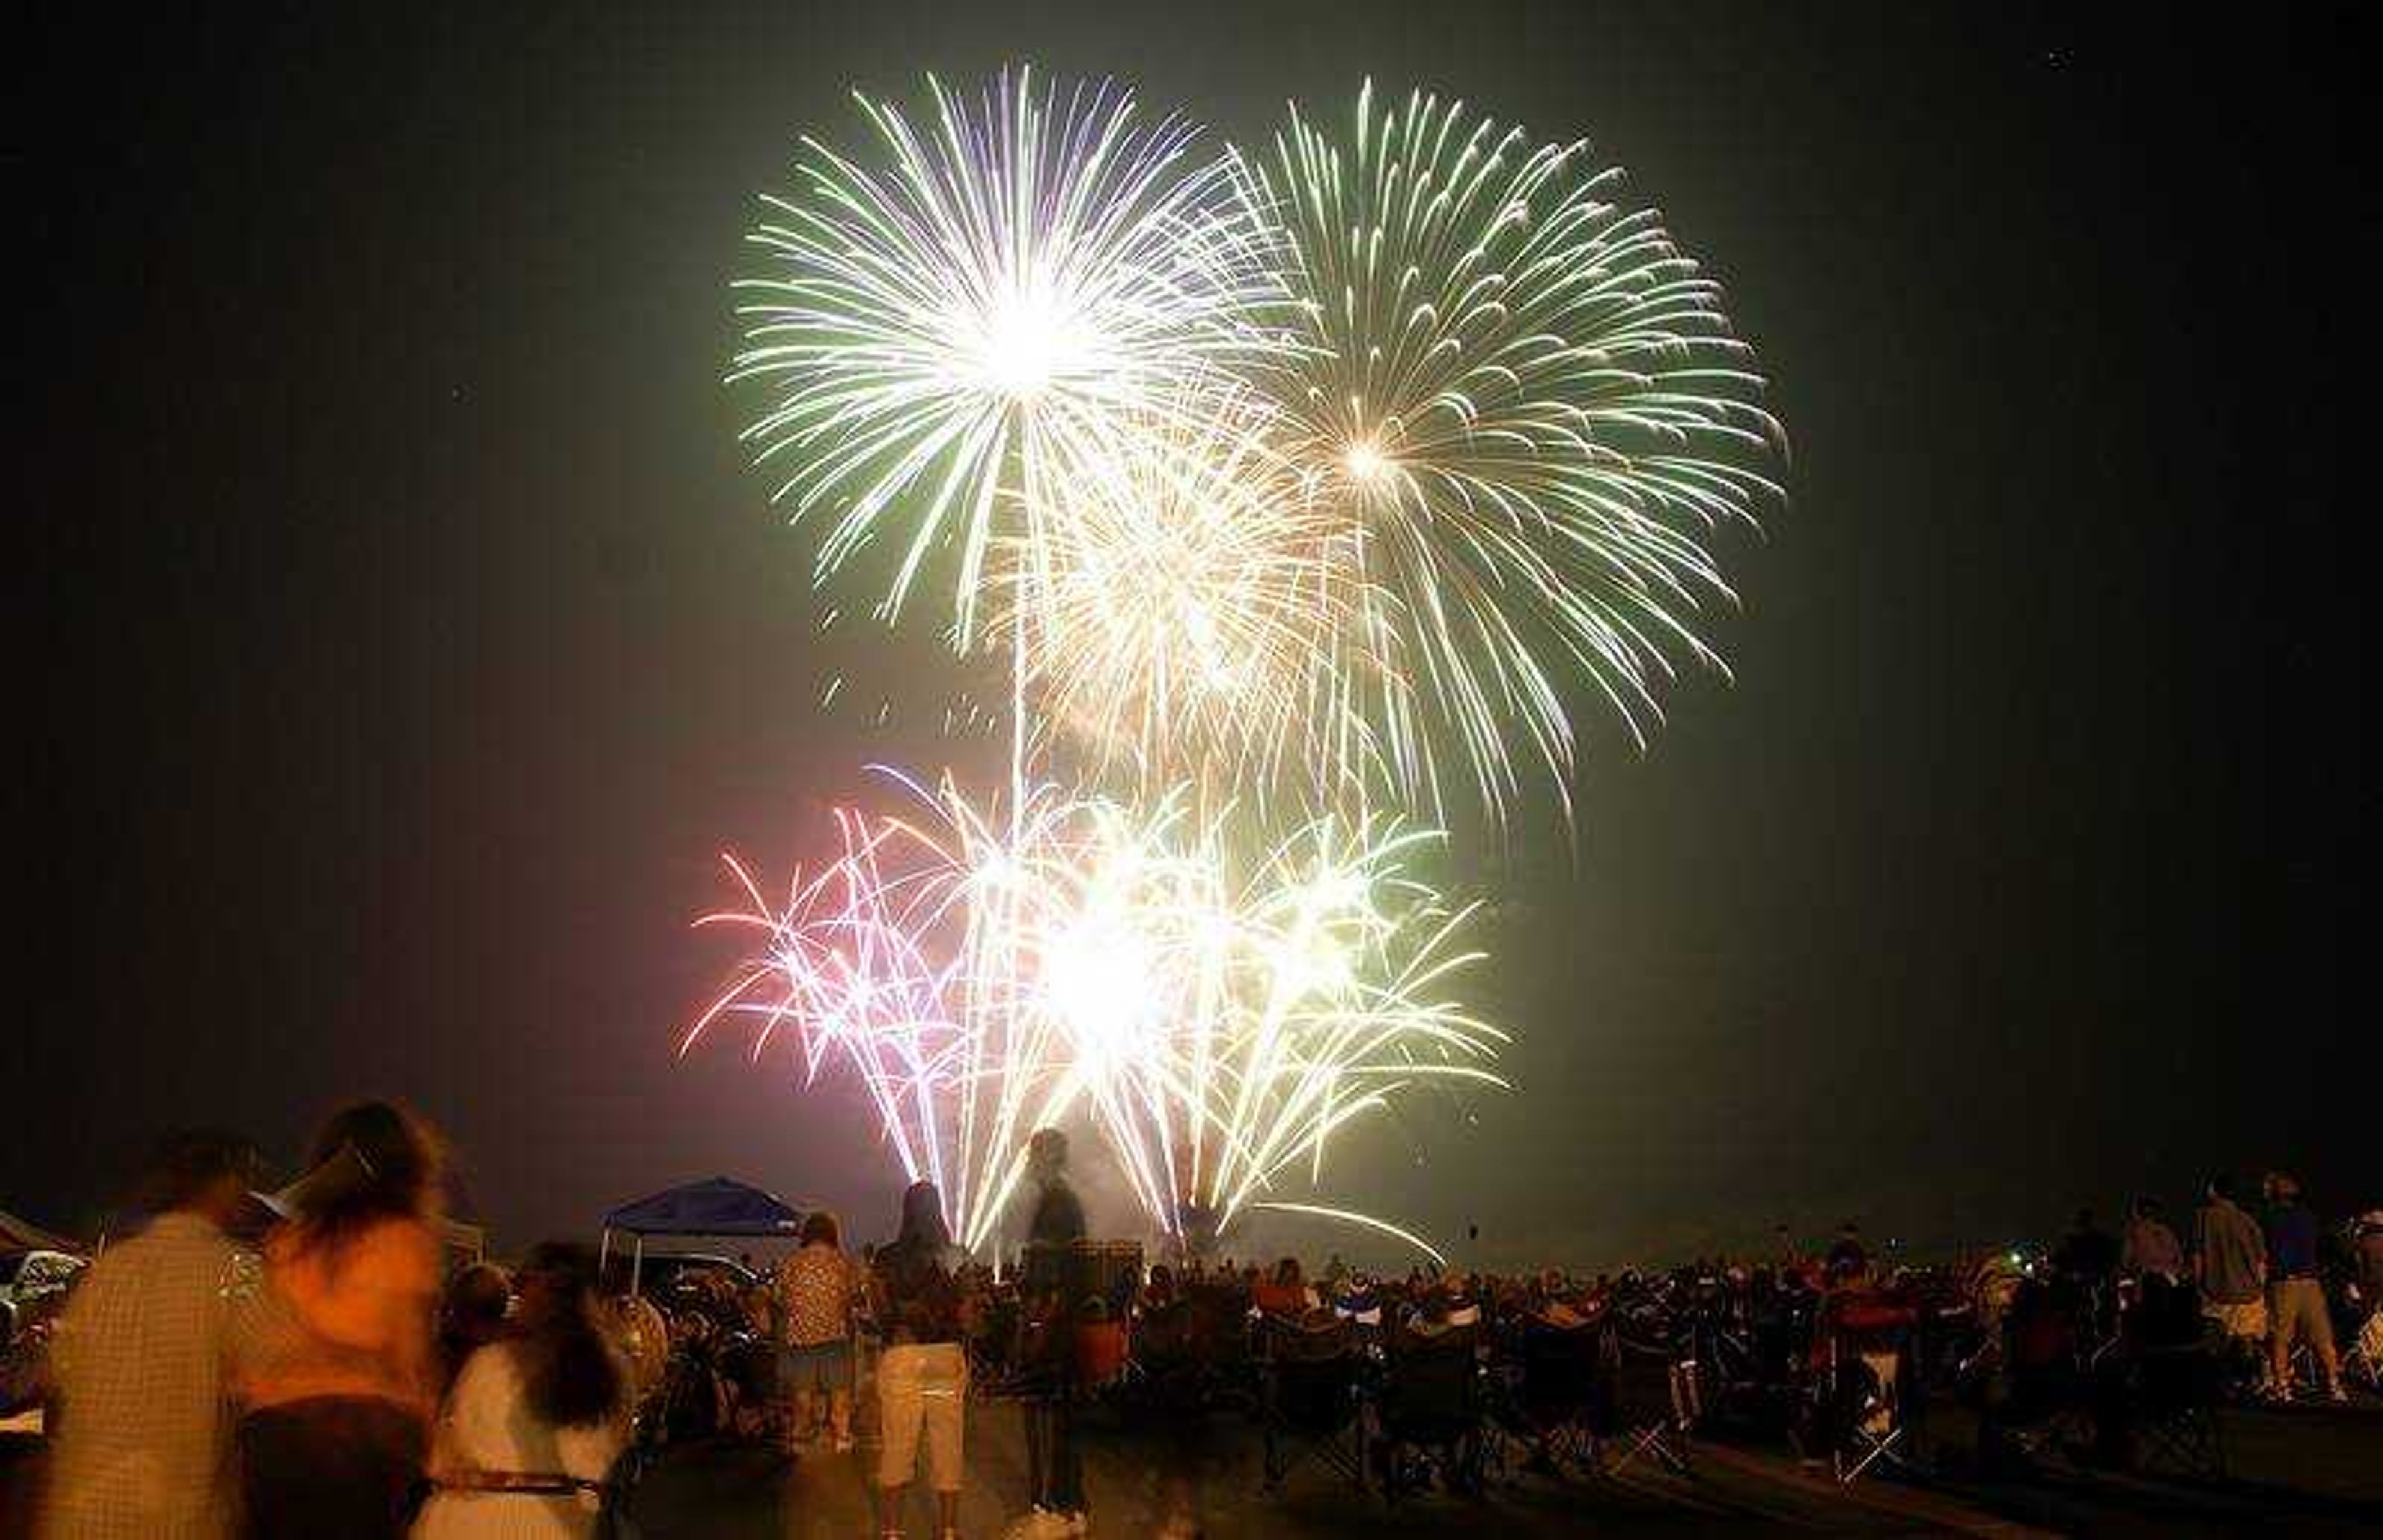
pixel 2173 1395
pixel 1428 1413
pixel 1308 1401
pixel 2046 1402
pixel 2164 1415
pixel 1167 1373
pixel 1551 1376
pixel 1220 1336
pixel 1650 1402
pixel 2364 1359
pixel 1863 1375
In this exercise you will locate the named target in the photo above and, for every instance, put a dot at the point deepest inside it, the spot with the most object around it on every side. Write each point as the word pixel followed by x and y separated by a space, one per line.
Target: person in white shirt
pixel 528 1438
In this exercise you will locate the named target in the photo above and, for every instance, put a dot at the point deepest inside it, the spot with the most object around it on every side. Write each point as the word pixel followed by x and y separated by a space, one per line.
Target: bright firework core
pixel 1028 342
pixel 1364 462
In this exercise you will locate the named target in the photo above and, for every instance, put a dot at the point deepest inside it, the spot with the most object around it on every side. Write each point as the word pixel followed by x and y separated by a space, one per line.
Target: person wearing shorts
pixel 922 1375
pixel 923 1397
pixel 817 1289
pixel 2231 1264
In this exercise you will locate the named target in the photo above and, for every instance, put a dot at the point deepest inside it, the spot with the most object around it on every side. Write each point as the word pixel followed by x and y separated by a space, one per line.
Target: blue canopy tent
pixel 718 1206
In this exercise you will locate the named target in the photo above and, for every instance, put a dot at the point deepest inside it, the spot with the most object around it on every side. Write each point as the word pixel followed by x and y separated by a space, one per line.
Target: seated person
pixel 1286 1293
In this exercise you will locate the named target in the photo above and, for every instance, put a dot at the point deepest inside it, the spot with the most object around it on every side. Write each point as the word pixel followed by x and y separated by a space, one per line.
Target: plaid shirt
pixel 816 1287
pixel 144 1351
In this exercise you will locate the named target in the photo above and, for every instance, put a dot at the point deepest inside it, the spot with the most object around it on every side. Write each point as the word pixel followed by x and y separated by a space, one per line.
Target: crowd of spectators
pixel 341 1377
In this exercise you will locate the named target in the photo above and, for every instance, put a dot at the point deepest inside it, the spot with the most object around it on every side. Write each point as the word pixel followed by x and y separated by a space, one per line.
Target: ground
pixel 2320 1469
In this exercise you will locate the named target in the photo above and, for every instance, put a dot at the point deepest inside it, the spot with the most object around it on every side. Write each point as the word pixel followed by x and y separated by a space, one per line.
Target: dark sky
pixel 405 636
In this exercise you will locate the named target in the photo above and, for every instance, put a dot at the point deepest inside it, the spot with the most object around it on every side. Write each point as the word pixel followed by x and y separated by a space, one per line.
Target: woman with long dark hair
pixel 923 1378
pixel 534 1423
pixel 339 1383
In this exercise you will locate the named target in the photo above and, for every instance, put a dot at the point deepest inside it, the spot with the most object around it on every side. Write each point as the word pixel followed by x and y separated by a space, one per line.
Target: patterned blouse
pixel 816 1287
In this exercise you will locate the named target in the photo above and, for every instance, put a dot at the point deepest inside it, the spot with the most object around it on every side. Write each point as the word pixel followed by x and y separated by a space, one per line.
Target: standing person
pixel 1847 1256
pixel 338 1388
pixel 2150 1248
pixel 1058 1218
pixel 2296 1306
pixel 2088 1253
pixel 1054 1468
pixel 818 1287
pixel 2230 1262
pixel 534 1423
pixel 922 1376
pixel 144 1352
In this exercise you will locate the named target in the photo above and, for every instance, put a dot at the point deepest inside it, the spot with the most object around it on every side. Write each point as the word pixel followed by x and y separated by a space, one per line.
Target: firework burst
pixel 1185 608
pixel 1526 409
pixel 983 976
pixel 977 312
pixel 1315 481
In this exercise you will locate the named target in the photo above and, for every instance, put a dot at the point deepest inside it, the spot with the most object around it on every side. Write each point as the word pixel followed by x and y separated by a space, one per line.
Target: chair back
pixel 1431 1385
pixel 1313 1370
pixel 1559 1369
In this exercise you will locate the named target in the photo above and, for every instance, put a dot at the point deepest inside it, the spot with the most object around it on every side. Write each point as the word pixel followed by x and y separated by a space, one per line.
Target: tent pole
pixel 603 1251
pixel 638 1267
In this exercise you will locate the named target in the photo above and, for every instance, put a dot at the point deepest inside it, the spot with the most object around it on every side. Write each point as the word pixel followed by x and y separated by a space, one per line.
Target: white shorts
pixel 921 1388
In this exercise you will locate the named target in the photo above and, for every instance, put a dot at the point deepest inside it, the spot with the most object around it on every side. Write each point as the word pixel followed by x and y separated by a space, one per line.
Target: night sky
pixel 403 634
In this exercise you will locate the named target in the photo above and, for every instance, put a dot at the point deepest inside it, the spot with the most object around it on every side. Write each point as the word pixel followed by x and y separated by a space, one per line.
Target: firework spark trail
pixel 844 969
pixel 1528 408
pixel 1216 1032
pixel 1364 1220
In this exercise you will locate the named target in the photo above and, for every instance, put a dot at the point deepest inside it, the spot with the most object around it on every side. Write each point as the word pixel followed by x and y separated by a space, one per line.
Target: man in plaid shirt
pixel 144 1351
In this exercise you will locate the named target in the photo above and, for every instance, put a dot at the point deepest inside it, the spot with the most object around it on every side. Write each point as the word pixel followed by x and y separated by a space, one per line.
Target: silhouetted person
pixel 2151 1249
pixel 1055 1466
pixel 2088 1253
pixel 339 1391
pixel 535 1420
pixel 2230 1262
pixel 1846 1257
pixel 1058 1213
pixel 144 1356
pixel 2296 1306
